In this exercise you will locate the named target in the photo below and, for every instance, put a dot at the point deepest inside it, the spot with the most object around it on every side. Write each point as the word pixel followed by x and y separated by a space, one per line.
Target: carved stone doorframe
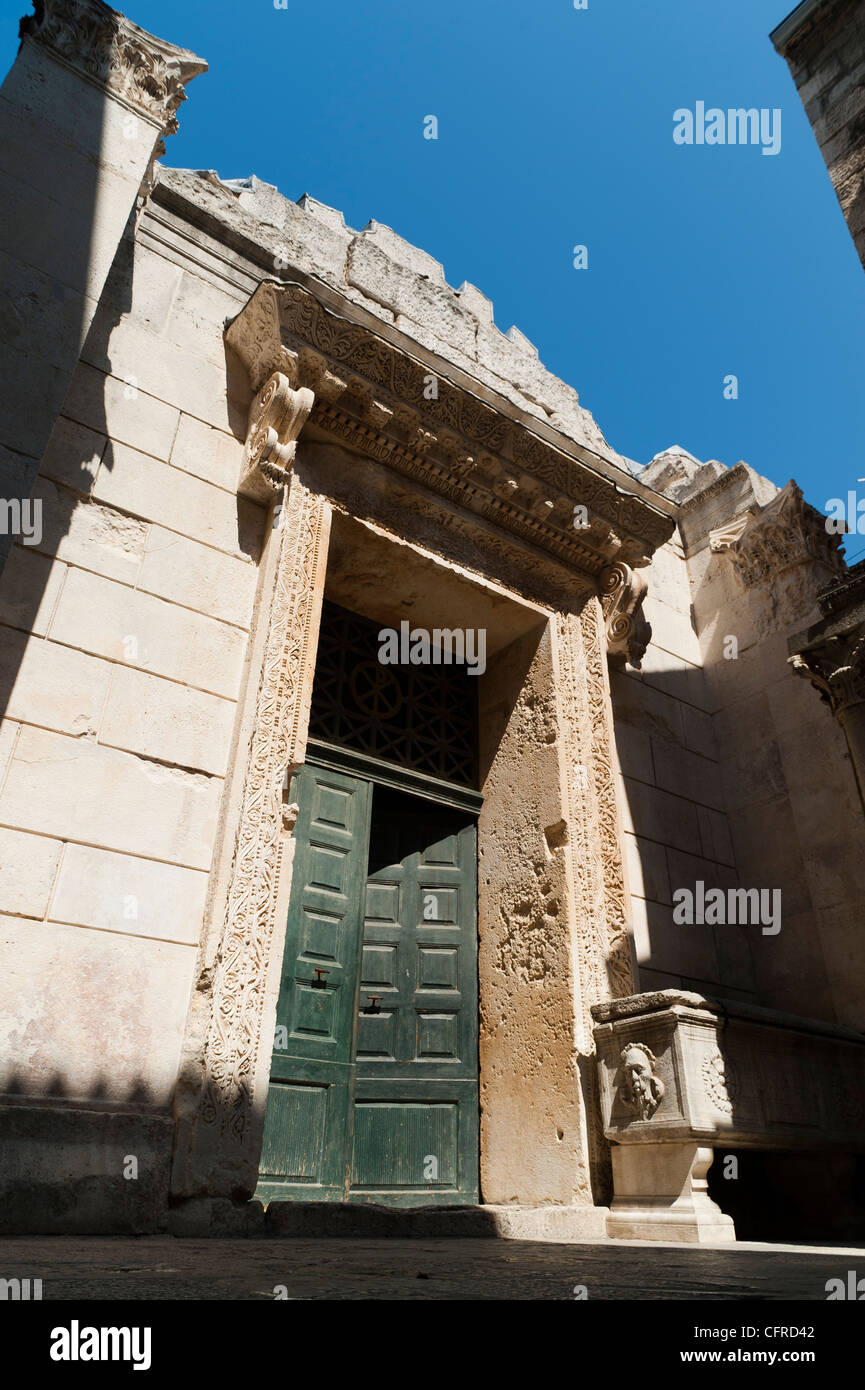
pixel 223 1085
pixel 301 359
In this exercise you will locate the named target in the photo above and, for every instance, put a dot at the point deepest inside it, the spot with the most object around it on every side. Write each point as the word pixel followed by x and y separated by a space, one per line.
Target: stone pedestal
pixel 681 1075
pixel 661 1194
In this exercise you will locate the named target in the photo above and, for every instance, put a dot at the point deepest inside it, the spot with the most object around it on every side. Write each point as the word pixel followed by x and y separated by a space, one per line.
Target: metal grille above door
pixel 421 717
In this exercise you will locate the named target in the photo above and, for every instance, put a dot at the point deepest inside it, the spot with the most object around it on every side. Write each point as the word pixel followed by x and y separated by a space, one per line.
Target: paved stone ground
pixel 164 1268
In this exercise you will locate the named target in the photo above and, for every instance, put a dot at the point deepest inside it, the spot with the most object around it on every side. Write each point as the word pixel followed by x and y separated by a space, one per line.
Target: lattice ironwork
pixel 420 717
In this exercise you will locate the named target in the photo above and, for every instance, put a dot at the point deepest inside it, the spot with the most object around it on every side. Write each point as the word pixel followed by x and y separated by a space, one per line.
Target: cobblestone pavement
pixel 160 1267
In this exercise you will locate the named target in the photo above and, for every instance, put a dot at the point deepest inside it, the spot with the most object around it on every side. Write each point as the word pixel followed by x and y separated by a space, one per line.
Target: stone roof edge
pixel 167 194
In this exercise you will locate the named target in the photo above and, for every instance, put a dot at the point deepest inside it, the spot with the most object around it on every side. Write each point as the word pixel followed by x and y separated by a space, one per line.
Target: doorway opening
pixel 373 1090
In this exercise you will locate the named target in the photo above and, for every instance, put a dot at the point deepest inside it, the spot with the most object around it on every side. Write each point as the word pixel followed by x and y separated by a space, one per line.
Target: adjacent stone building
pixel 525 919
pixel 823 42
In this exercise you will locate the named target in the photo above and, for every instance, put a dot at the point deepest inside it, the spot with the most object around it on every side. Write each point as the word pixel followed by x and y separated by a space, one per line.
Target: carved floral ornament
pixel 372 397
pixel 140 69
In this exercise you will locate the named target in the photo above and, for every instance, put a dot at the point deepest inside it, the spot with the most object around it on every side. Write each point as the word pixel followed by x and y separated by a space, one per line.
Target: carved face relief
pixel 641 1089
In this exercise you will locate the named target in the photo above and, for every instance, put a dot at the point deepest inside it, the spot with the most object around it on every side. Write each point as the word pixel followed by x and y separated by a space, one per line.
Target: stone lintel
pixel 374 396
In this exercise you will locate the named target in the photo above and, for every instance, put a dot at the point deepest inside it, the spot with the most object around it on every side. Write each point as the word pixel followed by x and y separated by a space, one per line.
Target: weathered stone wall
pixel 789 786
pixel 676 829
pixel 395 281
pixel 123 635
pixel 734 772
pixel 534 1146
pixel 825 53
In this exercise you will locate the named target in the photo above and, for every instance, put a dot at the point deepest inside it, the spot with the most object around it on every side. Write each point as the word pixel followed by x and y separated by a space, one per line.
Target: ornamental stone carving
pixel 139 69
pixel 628 633
pixel 372 397
pixel 718 1079
pixel 786 532
pixel 276 417
pixel 836 669
pixel 234 1056
pixel 642 1089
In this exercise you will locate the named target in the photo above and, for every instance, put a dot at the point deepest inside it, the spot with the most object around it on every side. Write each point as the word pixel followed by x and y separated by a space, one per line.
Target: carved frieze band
pixel 604 962
pixel 606 968
pixel 107 48
pixel 278 744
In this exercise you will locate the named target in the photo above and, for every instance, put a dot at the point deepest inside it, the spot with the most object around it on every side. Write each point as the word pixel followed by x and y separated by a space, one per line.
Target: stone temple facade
pixel 520 947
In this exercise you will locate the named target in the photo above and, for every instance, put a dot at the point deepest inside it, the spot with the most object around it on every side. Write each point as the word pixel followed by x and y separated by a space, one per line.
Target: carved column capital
pixel 836 668
pixel 622 592
pixel 276 417
pixel 139 69
pixel 762 542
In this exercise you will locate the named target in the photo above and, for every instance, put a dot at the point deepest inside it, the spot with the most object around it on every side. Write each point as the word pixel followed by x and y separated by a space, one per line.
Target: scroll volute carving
pixel 622 593
pixel 276 417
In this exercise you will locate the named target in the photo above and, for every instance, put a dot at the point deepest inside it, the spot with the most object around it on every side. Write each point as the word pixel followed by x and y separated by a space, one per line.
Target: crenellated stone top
pixel 138 68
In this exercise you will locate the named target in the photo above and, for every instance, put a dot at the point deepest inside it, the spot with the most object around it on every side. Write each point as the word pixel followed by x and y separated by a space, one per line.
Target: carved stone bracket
pixel 276 417
pixel 628 632
pixel 139 69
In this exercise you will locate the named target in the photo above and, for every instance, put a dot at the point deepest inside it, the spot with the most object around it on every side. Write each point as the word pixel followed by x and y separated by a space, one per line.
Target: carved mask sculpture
pixel 641 1089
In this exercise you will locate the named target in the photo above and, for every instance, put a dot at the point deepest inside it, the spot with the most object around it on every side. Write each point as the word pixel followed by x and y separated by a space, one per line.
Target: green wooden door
pixel 374 1081
pixel 307 1134
pixel 416 1097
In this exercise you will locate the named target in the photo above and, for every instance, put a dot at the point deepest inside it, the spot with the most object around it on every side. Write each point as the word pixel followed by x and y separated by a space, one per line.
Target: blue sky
pixel 555 128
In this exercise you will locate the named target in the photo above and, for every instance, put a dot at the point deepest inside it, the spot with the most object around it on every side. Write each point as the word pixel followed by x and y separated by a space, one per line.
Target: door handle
pixel 372 1007
pixel 318 982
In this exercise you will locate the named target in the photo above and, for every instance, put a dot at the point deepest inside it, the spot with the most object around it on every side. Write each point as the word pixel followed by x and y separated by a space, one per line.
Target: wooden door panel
pixel 308 1121
pixel 416 1106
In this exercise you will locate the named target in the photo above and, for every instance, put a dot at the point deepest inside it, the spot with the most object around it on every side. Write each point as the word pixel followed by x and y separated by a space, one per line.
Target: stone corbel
pixel 276 417
pixel 622 593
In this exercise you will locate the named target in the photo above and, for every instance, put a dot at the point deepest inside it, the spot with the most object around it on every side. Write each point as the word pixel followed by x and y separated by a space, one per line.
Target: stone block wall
pixel 733 771
pixel 123 640
pixel 676 827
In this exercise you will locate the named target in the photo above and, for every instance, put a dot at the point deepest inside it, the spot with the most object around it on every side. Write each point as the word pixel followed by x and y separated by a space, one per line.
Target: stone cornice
pixel 139 69
pixel 737 473
pixel 375 397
